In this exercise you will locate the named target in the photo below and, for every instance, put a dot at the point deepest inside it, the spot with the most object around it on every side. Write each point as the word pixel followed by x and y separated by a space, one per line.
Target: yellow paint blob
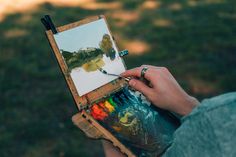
pixel 109 106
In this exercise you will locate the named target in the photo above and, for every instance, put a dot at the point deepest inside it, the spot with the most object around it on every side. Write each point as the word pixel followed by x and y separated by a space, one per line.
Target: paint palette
pixel 107 108
pixel 128 115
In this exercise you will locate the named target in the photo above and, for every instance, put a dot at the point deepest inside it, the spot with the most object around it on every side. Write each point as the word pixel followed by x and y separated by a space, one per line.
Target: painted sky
pixel 89 35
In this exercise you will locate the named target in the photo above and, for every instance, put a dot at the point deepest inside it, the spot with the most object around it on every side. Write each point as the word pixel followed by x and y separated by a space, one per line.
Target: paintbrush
pixel 105 72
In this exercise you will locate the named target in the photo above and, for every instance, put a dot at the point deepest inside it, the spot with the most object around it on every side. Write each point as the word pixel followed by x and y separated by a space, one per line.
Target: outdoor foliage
pixel 194 39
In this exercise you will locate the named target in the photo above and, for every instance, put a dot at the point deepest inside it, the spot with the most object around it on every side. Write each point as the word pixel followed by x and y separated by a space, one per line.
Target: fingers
pixel 132 72
pixel 141 87
pixel 136 72
pixel 150 66
pixel 110 150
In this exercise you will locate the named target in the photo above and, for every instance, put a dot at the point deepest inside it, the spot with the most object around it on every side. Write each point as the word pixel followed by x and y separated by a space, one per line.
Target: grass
pixel 196 42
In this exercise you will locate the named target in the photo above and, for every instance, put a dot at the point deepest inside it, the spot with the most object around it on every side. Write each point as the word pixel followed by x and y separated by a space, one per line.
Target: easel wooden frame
pixel 82 119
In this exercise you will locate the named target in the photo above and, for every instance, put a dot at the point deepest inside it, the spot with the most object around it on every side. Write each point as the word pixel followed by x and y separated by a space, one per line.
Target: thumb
pixel 141 87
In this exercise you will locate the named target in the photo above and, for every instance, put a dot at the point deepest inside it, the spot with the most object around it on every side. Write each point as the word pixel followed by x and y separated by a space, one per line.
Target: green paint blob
pixel 112 102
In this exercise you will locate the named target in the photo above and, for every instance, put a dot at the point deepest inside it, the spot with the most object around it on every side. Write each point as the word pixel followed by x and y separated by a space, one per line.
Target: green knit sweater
pixel 208 131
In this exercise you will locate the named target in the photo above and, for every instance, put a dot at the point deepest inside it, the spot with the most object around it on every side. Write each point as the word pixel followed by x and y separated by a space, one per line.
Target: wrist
pixel 187 105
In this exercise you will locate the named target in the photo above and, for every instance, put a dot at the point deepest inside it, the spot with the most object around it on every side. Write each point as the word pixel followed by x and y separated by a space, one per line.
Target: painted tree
pixel 106 46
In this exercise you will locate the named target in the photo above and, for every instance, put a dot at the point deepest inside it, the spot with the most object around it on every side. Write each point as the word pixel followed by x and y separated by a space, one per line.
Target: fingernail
pixel 132 83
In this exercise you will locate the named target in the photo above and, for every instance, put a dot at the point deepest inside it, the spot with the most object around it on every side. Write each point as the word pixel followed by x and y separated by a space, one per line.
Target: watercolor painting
pixel 85 50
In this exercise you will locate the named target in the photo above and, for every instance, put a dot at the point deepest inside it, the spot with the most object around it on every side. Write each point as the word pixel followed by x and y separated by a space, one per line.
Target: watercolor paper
pixel 87 48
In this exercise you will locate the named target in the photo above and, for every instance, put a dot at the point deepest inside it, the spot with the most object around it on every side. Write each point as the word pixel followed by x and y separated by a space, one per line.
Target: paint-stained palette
pixel 128 115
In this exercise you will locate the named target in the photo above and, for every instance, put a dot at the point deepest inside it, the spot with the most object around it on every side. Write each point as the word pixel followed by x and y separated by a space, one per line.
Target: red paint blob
pixel 98 113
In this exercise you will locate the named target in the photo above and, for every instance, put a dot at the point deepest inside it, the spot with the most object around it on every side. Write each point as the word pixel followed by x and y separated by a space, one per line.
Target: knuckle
pixel 151 73
pixel 144 65
pixel 164 69
pixel 138 70
pixel 135 71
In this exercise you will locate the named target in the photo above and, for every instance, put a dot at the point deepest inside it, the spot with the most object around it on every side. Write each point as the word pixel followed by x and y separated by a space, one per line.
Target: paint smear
pixel 98 113
pixel 110 100
pixel 109 106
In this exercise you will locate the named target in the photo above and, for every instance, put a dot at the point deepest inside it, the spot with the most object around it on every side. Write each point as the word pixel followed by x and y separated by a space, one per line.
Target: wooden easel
pixel 82 119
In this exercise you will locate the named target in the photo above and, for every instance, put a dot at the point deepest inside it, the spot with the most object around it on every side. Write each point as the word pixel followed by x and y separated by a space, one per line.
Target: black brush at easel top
pixel 140 127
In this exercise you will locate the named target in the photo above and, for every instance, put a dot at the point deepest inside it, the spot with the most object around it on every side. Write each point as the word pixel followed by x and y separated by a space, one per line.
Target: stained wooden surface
pixel 81 101
pixel 82 119
pixel 94 130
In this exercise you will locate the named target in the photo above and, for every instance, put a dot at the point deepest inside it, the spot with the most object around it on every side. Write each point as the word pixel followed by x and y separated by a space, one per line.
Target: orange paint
pixel 102 105
pixel 98 113
pixel 101 110
pixel 117 128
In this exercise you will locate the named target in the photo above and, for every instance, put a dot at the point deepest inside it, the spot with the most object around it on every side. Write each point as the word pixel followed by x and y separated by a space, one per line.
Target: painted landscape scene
pixel 91 58
pixel 86 50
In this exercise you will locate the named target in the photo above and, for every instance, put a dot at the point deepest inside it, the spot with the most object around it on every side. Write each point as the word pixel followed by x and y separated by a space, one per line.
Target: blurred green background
pixel 195 39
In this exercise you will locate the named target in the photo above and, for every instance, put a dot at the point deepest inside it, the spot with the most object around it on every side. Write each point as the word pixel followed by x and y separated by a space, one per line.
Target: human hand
pixel 110 150
pixel 163 90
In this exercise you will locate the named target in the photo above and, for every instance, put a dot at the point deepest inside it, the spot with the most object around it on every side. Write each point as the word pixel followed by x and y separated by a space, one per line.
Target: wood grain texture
pixel 97 131
pixel 82 119
pixel 82 101
pixel 79 100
